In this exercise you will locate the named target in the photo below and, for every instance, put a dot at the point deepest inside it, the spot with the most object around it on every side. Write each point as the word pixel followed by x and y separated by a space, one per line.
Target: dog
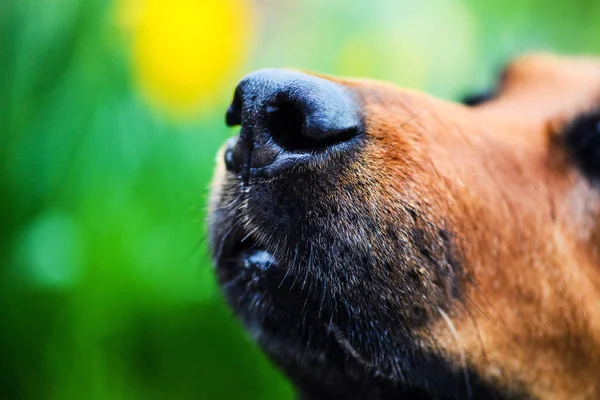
pixel 379 243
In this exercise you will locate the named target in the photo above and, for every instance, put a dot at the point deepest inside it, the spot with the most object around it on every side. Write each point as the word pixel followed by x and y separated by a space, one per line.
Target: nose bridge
pixel 285 112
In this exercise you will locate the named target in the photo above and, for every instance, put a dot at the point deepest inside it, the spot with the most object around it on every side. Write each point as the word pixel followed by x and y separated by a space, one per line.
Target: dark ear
pixel 582 139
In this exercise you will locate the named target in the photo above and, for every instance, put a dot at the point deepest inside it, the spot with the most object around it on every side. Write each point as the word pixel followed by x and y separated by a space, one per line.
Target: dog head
pixel 378 242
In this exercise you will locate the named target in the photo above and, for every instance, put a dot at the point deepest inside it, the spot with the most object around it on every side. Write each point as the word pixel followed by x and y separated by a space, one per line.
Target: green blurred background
pixel 111 115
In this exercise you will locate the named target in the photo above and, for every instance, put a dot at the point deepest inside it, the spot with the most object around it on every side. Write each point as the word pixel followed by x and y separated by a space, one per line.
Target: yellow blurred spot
pixel 185 51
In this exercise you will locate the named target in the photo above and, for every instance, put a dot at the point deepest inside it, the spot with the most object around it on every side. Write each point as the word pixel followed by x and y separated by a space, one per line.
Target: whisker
pixel 345 344
pixel 483 350
pixel 411 210
pixel 415 214
pixel 414 117
pixel 195 248
pixel 306 278
pixel 322 297
pixel 252 232
pixel 448 232
pixel 310 337
pixel 308 265
pixel 485 313
pixel 434 341
pixel 463 359
pixel 293 266
pixel 464 292
pixel 262 320
pixel 222 243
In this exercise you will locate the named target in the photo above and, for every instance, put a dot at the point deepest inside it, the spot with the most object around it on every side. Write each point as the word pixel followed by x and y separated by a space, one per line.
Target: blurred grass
pixel 106 287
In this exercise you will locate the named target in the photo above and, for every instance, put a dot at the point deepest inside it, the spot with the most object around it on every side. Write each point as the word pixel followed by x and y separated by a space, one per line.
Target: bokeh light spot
pixel 50 251
pixel 184 52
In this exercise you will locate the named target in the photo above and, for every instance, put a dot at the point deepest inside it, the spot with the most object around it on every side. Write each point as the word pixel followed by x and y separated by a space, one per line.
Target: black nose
pixel 285 117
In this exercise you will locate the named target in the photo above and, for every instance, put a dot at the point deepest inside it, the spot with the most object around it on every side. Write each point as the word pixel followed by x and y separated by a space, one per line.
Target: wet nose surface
pixel 287 117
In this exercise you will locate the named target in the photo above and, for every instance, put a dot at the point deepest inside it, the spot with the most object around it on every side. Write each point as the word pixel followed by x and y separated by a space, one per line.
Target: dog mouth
pixel 249 255
pixel 245 262
pixel 251 275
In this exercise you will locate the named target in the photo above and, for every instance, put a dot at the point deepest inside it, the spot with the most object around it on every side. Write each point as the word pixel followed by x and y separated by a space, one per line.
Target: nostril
pixel 233 117
pixel 289 128
pixel 285 125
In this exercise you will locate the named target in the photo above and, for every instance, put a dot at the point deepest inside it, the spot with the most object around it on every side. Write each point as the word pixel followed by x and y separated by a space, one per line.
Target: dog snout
pixel 285 117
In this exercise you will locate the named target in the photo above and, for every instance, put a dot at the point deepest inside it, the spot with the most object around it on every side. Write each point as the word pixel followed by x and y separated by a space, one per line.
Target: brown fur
pixel 524 223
